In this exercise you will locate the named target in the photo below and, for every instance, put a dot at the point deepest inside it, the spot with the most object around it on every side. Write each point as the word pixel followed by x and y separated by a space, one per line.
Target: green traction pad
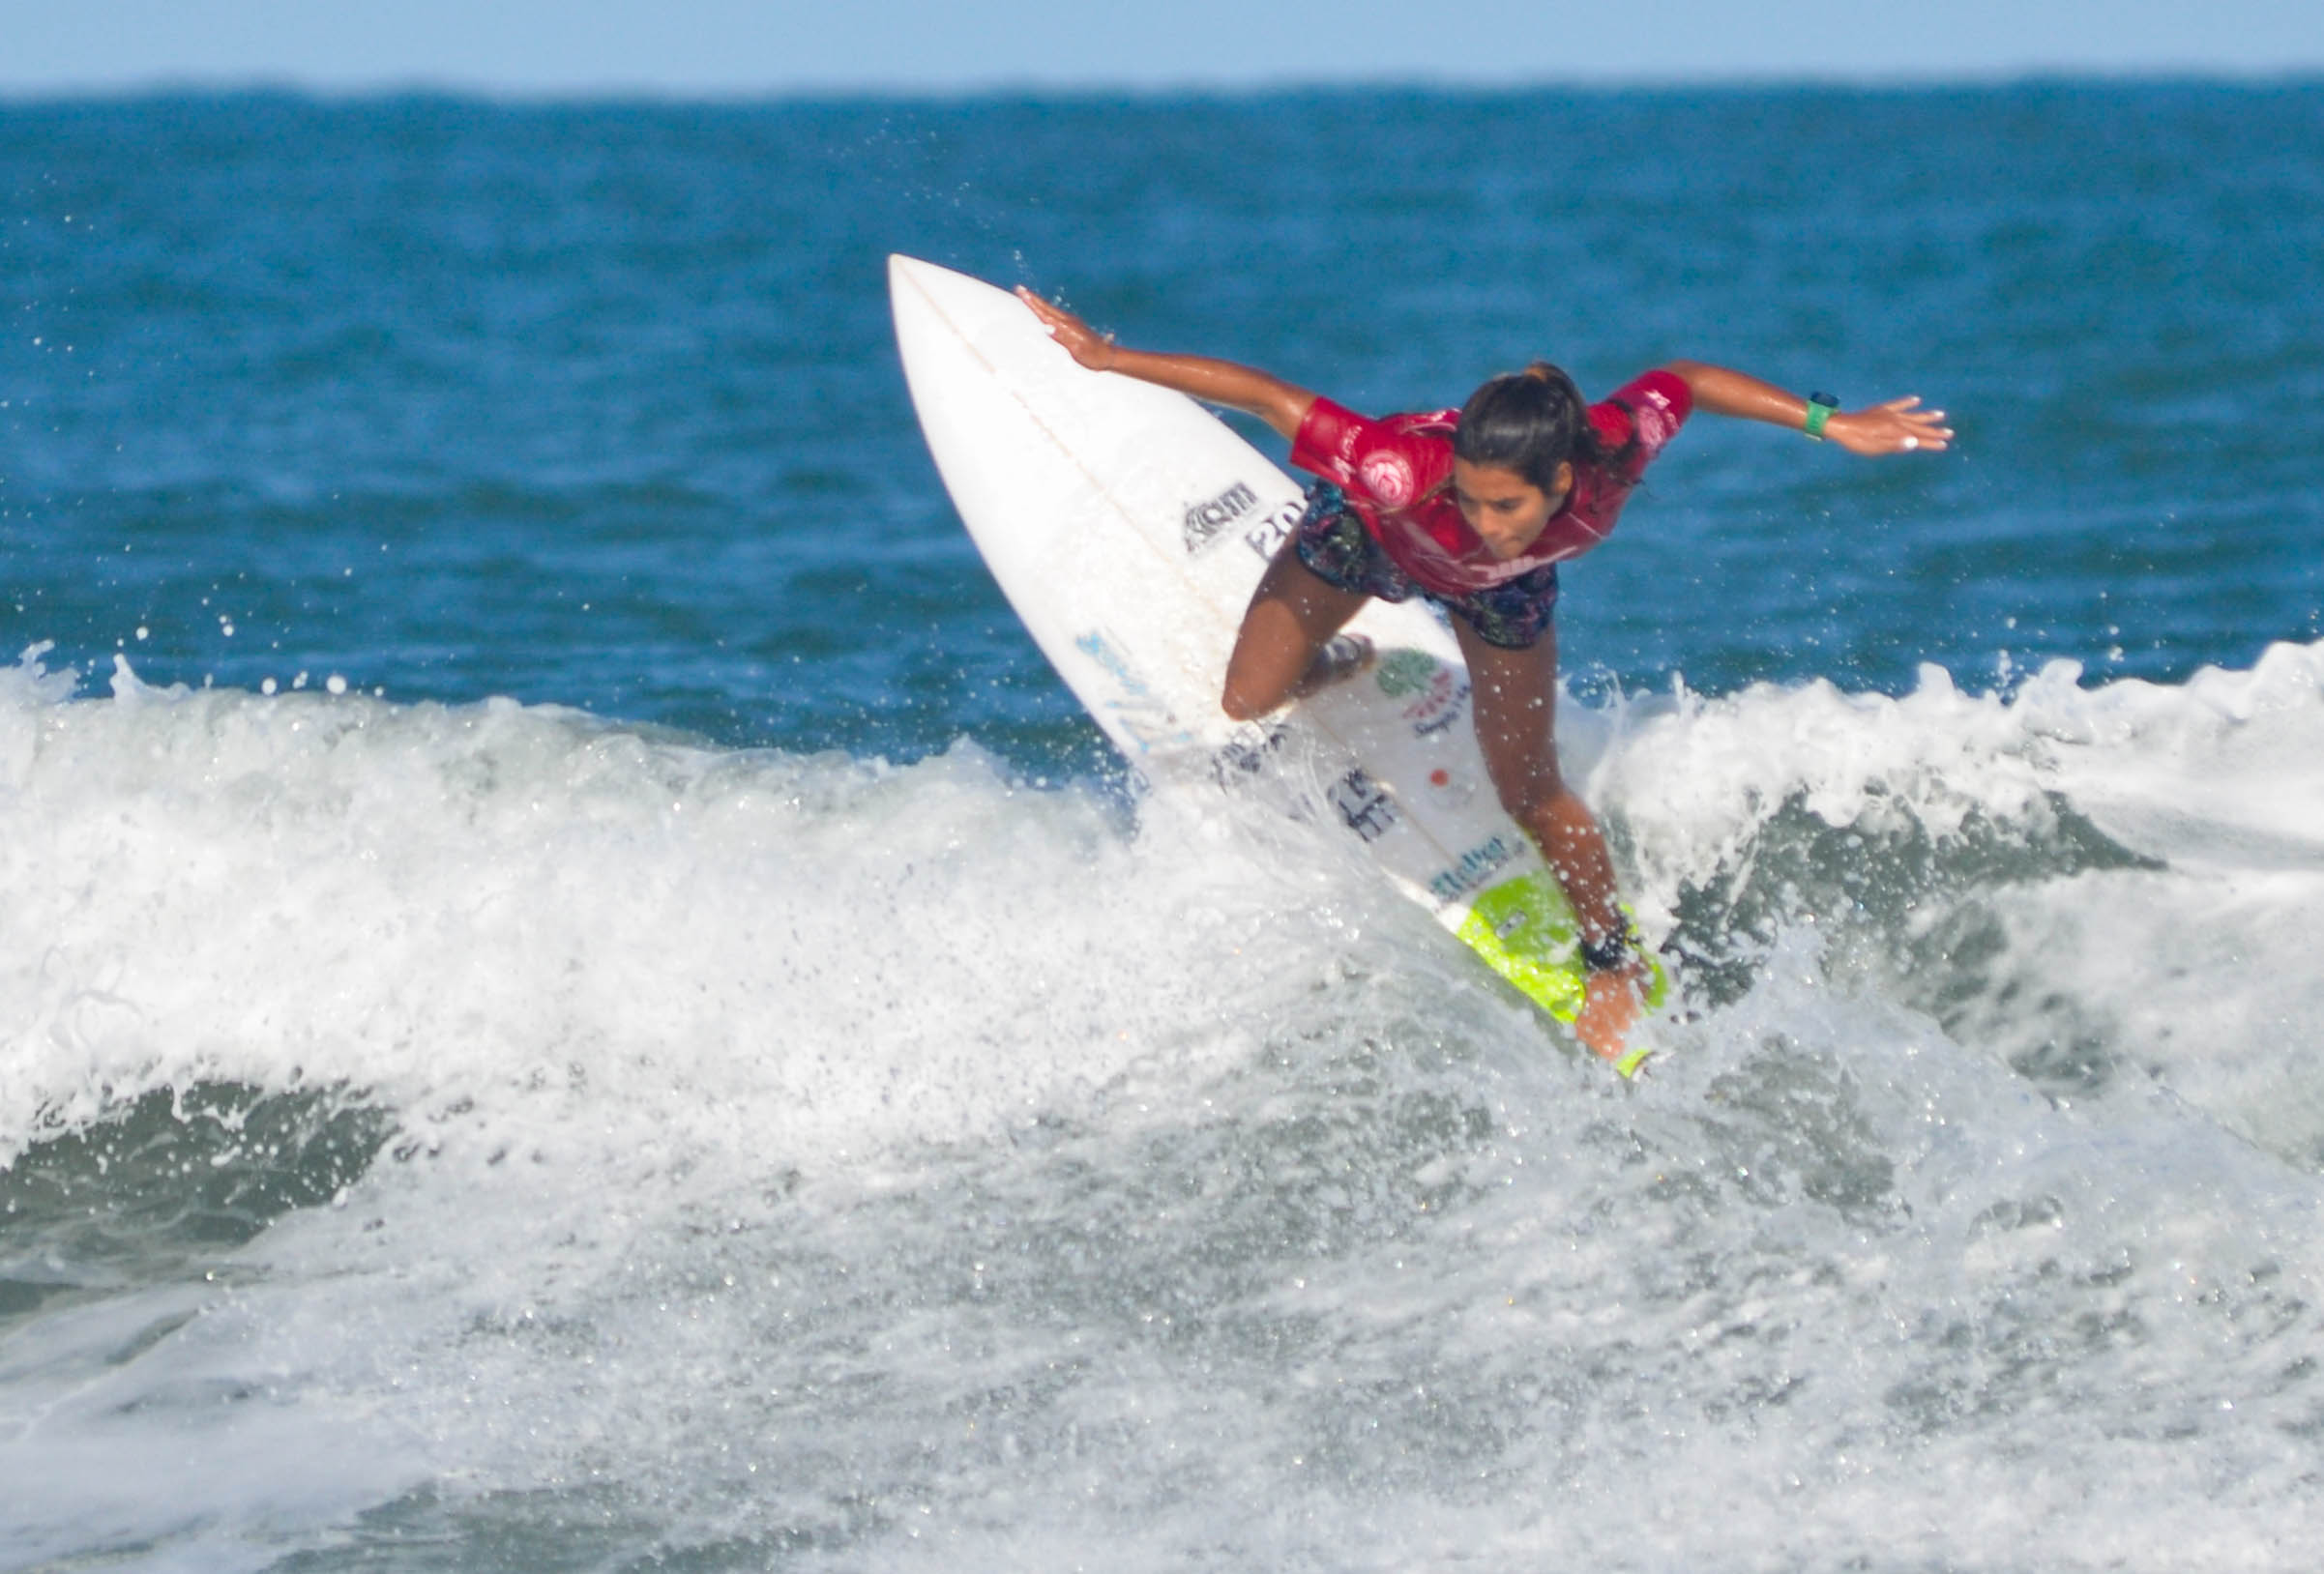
pixel 1524 930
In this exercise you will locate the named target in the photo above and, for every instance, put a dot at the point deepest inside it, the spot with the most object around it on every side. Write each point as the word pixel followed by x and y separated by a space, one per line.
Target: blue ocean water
pixel 574 994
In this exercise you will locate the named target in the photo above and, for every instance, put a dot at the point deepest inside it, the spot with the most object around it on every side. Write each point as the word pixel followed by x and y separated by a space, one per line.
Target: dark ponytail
pixel 1530 422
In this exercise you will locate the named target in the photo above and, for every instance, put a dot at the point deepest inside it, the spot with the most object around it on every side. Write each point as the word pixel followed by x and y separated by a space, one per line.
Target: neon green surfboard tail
pixel 1524 930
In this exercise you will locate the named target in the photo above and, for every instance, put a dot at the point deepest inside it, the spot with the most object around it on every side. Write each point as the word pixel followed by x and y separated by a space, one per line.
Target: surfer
pixel 1474 509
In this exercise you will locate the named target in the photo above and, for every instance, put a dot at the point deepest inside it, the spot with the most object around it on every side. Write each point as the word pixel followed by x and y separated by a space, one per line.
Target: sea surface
pixel 575 995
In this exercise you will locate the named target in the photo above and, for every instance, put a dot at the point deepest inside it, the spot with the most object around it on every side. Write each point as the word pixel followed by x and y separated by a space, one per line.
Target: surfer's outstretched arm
pixel 1898 426
pixel 1279 404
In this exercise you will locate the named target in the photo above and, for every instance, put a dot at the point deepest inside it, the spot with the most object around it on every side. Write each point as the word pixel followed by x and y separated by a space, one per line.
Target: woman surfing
pixel 1473 510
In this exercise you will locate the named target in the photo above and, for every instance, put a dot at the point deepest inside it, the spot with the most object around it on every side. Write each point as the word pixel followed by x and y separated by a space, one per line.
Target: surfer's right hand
pixel 1084 343
pixel 1898 426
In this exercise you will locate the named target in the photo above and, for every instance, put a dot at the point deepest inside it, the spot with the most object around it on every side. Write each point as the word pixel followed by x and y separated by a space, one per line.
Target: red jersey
pixel 1397 474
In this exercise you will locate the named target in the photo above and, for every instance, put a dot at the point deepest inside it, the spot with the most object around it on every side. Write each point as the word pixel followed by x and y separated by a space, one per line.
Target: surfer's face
pixel 1506 512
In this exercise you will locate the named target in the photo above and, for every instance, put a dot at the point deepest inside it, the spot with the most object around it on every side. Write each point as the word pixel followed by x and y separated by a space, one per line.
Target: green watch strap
pixel 1821 407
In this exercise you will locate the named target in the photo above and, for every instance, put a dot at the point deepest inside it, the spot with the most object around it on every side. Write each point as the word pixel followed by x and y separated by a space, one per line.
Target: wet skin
pixel 1294 613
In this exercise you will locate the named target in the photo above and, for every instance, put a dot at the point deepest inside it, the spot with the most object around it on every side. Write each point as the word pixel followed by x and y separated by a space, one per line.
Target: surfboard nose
pixel 922 295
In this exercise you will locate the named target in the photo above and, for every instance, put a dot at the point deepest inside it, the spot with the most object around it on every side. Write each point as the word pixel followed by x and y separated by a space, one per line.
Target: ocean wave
pixel 2086 882
pixel 435 905
pixel 477 1120
pixel 416 901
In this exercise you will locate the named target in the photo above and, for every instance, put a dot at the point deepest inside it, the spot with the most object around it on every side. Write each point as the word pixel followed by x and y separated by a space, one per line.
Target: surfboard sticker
pixel 1127 526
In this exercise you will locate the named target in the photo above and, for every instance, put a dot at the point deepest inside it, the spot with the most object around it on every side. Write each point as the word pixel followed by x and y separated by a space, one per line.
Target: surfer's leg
pixel 1515 699
pixel 1280 652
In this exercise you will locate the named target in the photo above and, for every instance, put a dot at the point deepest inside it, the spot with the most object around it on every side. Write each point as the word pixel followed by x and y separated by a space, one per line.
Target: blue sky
pixel 727 47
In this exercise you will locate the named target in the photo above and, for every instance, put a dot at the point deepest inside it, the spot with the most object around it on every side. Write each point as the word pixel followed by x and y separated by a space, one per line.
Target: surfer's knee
pixel 1258 681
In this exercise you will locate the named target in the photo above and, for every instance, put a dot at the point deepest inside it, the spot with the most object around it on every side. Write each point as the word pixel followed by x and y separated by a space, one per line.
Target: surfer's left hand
pixel 1898 426
pixel 1610 1008
pixel 1084 343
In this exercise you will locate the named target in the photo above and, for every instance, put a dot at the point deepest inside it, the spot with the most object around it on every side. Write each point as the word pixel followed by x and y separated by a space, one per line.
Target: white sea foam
pixel 874 1166
pixel 2197 968
pixel 469 908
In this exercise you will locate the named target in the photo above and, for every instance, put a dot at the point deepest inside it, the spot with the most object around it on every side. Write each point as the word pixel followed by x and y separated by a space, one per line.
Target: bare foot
pixel 1342 656
pixel 1611 1008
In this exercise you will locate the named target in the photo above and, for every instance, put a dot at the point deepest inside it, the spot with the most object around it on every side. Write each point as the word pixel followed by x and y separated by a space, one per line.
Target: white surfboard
pixel 1127 527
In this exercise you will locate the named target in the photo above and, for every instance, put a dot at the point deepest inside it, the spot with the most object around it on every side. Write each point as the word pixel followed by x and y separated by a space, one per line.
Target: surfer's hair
pixel 1530 422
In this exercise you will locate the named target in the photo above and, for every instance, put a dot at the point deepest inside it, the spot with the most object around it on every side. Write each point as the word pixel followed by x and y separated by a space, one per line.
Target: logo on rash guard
pixel 1388 477
pixel 1653 421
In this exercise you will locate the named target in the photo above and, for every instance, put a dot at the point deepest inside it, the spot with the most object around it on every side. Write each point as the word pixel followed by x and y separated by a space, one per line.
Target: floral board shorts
pixel 1337 549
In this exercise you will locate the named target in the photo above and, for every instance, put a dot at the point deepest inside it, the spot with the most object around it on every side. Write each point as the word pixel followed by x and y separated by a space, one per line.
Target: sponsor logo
pixel 1405 672
pixel 1205 520
pixel 1475 866
pixel 1138 713
pixel 1451 789
pixel 1364 804
pixel 1276 529
pixel 1245 754
pixel 1446 702
pixel 1652 418
pixel 1439 697
pixel 1388 477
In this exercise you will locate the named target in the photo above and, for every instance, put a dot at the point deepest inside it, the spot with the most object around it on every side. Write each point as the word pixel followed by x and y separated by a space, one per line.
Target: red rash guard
pixel 1398 474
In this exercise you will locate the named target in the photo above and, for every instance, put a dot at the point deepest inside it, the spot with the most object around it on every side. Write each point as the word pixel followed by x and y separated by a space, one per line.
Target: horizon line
pixel 1023 88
